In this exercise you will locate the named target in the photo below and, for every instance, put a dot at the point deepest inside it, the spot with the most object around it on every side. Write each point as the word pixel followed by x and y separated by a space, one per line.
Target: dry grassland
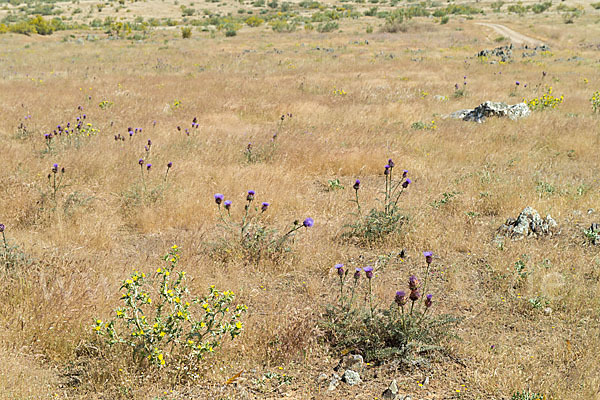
pixel 99 229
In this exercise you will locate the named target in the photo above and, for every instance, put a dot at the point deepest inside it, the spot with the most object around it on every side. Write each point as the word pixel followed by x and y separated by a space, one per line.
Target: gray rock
pixel 351 377
pixel 492 109
pixel 334 383
pixel 352 361
pixel 548 311
pixel 391 392
pixel 322 378
pixel 527 224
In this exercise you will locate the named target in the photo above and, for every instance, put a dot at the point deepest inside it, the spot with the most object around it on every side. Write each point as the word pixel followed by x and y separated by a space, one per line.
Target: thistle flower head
pixel 264 206
pixel 414 295
pixel 517 83
pixel 308 222
pixel 357 273
pixel 391 163
pixel 169 164
pixel 141 161
pixel 250 195
pixel 404 173
pixel 2 227
pixel 55 168
pixel 356 185
pixel 148 166
pixel 340 269
pixel 400 298
pixel 428 256
pixel 428 301
pixel 406 183
pixel 413 282
pixel 387 170
pixel 368 271
pixel 227 204
pixel 219 198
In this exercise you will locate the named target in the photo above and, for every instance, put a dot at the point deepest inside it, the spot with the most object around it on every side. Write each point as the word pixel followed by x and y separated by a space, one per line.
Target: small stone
pixel 351 377
pixel 333 384
pixel 391 392
pixel 547 311
pixel 426 381
pixel 352 361
pixel 322 378
pixel 493 109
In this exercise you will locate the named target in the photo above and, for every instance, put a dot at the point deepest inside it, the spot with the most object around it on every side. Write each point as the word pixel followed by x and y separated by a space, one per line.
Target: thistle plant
pixel 380 332
pixel 160 321
pixel 55 180
pixel 379 223
pixel 254 153
pixel 252 238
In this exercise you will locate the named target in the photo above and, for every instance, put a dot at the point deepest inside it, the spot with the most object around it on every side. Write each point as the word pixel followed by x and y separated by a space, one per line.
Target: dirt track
pixel 515 37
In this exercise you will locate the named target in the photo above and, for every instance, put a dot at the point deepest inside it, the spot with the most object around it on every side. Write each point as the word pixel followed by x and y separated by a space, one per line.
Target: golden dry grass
pixel 238 88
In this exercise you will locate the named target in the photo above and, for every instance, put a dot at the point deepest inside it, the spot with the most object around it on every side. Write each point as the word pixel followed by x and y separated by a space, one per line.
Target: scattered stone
pixel 528 224
pixel 351 377
pixel 502 52
pixel 352 361
pixel 426 381
pixel 391 392
pixel 548 311
pixel 492 109
pixel 322 378
pixel 334 383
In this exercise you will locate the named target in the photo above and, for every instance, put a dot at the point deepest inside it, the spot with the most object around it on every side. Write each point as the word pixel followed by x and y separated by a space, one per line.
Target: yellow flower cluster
pixel 545 101
pixel 595 100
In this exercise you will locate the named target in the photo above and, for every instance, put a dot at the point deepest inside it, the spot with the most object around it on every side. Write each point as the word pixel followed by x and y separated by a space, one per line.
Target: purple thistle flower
pixel 2 227
pixel 406 183
pixel 428 301
pixel 428 256
pixel 264 206
pixel 250 196
pixel 219 198
pixel 414 295
pixel 391 163
pixel 148 166
pixel 179 128
pixel 456 86
pixel 413 282
pixel 404 173
pixel 146 148
pixel 387 170
pixel 356 185
pixel 400 298
pixel 517 83
pixel 170 164
pixel 308 222
pixel 55 168
pixel 149 142
pixel 357 273
pixel 368 271
pixel 227 204
pixel 340 269
pixel 141 161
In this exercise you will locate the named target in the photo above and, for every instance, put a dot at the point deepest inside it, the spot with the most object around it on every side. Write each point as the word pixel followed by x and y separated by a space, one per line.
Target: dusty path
pixel 515 37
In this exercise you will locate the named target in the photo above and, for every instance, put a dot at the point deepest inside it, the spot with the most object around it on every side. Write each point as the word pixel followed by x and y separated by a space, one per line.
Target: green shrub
pixel 595 101
pixel 186 32
pixel 327 27
pixel 254 21
pixel 161 322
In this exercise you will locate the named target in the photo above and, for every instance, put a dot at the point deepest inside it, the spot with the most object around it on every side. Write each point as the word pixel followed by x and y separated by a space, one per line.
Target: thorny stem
pixel 357 202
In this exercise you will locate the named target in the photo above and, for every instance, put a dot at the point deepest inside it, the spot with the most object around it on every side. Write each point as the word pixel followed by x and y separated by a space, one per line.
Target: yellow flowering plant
pixel 160 320
pixel 595 101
